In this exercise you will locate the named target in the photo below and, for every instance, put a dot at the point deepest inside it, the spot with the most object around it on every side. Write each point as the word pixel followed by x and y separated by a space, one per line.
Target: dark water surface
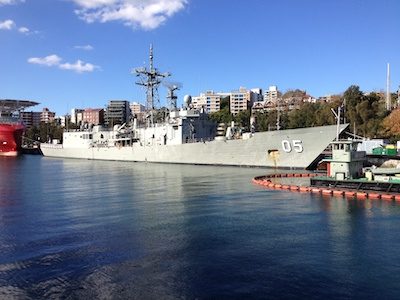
pixel 77 229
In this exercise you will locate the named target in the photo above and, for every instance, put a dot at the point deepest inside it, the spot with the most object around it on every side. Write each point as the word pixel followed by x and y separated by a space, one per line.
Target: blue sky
pixel 79 53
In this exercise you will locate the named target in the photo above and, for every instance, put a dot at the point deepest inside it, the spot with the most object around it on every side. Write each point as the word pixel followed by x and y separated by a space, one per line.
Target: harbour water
pixel 77 229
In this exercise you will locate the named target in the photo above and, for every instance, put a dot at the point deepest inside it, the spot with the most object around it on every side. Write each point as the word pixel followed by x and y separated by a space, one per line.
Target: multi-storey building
pixel 240 100
pixel 93 116
pixel 118 112
pixel 210 101
pixel 47 116
pixel 138 111
pixel 31 118
pixel 271 94
pixel 76 116
pixel 62 120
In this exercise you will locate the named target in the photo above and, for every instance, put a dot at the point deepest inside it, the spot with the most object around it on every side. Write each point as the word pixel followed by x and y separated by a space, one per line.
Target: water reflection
pixel 8 184
pixel 90 229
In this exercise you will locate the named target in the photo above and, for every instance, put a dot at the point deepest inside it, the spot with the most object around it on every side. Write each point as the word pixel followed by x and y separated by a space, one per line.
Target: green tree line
pixel 365 114
pixel 43 133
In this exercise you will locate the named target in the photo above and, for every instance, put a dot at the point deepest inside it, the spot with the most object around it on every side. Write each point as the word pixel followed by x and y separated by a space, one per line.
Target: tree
pixel 324 115
pixel 391 125
pixel 294 93
pixel 266 121
pixel 352 96
pixel 44 132
pixel 303 117
pixel 225 102
pixel 243 119
pixel 222 116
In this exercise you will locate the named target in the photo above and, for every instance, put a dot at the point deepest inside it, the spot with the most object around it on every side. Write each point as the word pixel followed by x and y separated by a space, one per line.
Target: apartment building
pixel 240 100
pixel 93 116
pixel 271 94
pixel 118 112
pixel 138 111
pixel 77 116
pixel 47 116
pixel 31 118
pixel 210 101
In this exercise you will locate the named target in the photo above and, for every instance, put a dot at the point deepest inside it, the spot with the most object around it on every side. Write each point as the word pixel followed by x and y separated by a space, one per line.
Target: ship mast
pixel 388 100
pixel 172 97
pixel 150 79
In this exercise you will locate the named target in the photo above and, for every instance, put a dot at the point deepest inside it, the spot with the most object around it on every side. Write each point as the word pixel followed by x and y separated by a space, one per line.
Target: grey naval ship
pixel 187 136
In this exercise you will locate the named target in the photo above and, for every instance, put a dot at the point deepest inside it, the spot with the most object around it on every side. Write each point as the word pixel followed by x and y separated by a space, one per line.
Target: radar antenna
pixel 172 97
pixel 150 79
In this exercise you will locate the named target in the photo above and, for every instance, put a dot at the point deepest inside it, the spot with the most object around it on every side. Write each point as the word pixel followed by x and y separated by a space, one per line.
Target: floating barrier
pixel 327 192
pixel 387 197
pixel 315 190
pixel 350 194
pixel 359 194
pixel 338 193
pixel 374 196
pixel 304 189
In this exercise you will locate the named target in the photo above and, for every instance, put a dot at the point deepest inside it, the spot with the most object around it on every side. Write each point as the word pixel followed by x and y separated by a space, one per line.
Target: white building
pixel 77 116
pixel 256 95
pixel 271 94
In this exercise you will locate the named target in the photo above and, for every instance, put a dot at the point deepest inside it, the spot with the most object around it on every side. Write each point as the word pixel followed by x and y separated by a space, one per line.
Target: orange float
pixel 387 197
pixel 338 193
pixel 361 195
pixel 304 189
pixel 374 196
pixel 349 193
pixel 326 192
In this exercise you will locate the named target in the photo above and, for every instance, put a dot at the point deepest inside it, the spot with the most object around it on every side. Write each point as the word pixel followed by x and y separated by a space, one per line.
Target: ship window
pixel 90 136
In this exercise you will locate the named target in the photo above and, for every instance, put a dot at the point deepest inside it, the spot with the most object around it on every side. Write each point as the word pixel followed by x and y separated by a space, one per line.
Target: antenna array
pixel 150 79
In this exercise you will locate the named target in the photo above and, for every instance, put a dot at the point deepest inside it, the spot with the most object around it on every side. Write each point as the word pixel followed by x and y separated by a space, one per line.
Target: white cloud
pixel 85 47
pixel 10 25
pixel 24 30
pixel 55 61
pixel 50 60
pixel 79 67
pixel 147 14
pixel 7 24
pixel 7 2
pixel 94 3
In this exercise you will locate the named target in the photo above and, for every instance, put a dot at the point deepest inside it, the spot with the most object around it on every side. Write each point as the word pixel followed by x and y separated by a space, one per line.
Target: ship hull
pixel 294 148
pixel 10 138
